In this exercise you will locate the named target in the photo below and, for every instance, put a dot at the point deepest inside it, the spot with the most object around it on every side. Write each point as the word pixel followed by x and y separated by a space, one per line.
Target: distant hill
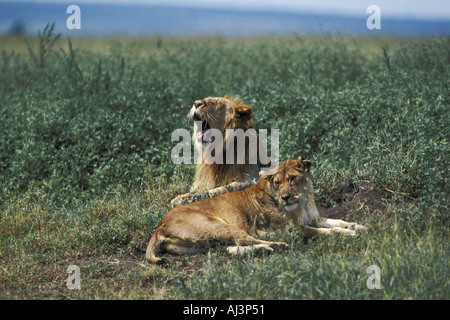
pixel 97 19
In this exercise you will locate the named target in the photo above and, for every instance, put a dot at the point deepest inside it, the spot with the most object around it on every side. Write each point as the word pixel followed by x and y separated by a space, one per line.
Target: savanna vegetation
pixel 86 173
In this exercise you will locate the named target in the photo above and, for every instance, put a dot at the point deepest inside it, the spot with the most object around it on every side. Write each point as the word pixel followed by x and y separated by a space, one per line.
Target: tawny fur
pixel 233 219
pixel 217 178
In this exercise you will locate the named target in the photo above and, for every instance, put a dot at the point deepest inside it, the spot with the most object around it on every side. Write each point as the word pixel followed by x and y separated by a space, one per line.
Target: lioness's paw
pixel 343 231
pixel 355 226
pixel 359 227
pixel 279 245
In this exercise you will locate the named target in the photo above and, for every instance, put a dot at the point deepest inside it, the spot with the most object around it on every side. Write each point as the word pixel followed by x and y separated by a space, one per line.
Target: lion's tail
pixel 153 248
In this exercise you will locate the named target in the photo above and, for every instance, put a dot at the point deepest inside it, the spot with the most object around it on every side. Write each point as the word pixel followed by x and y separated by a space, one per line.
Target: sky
pixel 402 9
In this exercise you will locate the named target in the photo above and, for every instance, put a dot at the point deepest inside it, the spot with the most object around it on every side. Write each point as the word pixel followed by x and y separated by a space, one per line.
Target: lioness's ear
pixel 303 164
pixel 265 176
pixel 243 111
pixel 268 173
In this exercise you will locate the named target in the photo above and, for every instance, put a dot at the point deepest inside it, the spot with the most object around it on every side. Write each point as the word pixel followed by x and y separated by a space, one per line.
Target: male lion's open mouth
pixel 205 127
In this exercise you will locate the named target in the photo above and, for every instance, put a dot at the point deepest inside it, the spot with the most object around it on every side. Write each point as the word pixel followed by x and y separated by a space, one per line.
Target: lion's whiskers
pixel 210 118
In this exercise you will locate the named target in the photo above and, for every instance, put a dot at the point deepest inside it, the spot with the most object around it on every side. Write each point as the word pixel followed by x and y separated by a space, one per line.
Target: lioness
pixel 217 178
pixel 279 197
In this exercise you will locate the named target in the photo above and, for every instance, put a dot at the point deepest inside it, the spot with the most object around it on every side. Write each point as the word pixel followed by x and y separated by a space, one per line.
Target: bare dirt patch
pixel 353 200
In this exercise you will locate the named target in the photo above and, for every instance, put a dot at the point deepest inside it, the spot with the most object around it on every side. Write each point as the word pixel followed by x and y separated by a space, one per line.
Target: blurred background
pixel 227 17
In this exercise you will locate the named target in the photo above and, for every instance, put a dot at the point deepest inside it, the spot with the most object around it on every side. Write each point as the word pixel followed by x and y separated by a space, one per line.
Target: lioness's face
pixel 291 183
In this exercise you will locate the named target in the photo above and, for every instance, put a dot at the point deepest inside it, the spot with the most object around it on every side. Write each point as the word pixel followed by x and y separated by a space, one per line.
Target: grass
pixel 85 170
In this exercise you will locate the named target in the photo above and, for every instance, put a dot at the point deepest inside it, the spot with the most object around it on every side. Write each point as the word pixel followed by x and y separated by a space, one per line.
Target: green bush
pixel 79 120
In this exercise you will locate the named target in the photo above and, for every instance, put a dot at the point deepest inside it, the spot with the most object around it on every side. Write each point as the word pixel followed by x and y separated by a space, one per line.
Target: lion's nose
pixel 198 104
pixel 285 197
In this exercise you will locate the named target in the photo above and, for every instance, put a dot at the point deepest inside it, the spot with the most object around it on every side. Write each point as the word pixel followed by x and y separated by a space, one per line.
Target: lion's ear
pixel 243 111
pixel 303 165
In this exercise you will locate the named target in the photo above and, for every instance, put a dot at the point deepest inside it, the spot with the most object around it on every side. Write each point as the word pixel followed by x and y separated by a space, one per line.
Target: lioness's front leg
pixel 313 231
pixel 337 223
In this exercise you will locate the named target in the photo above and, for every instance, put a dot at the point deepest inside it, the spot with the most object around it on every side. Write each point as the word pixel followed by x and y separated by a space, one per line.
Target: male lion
pixel 217 178
pixel 234 218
